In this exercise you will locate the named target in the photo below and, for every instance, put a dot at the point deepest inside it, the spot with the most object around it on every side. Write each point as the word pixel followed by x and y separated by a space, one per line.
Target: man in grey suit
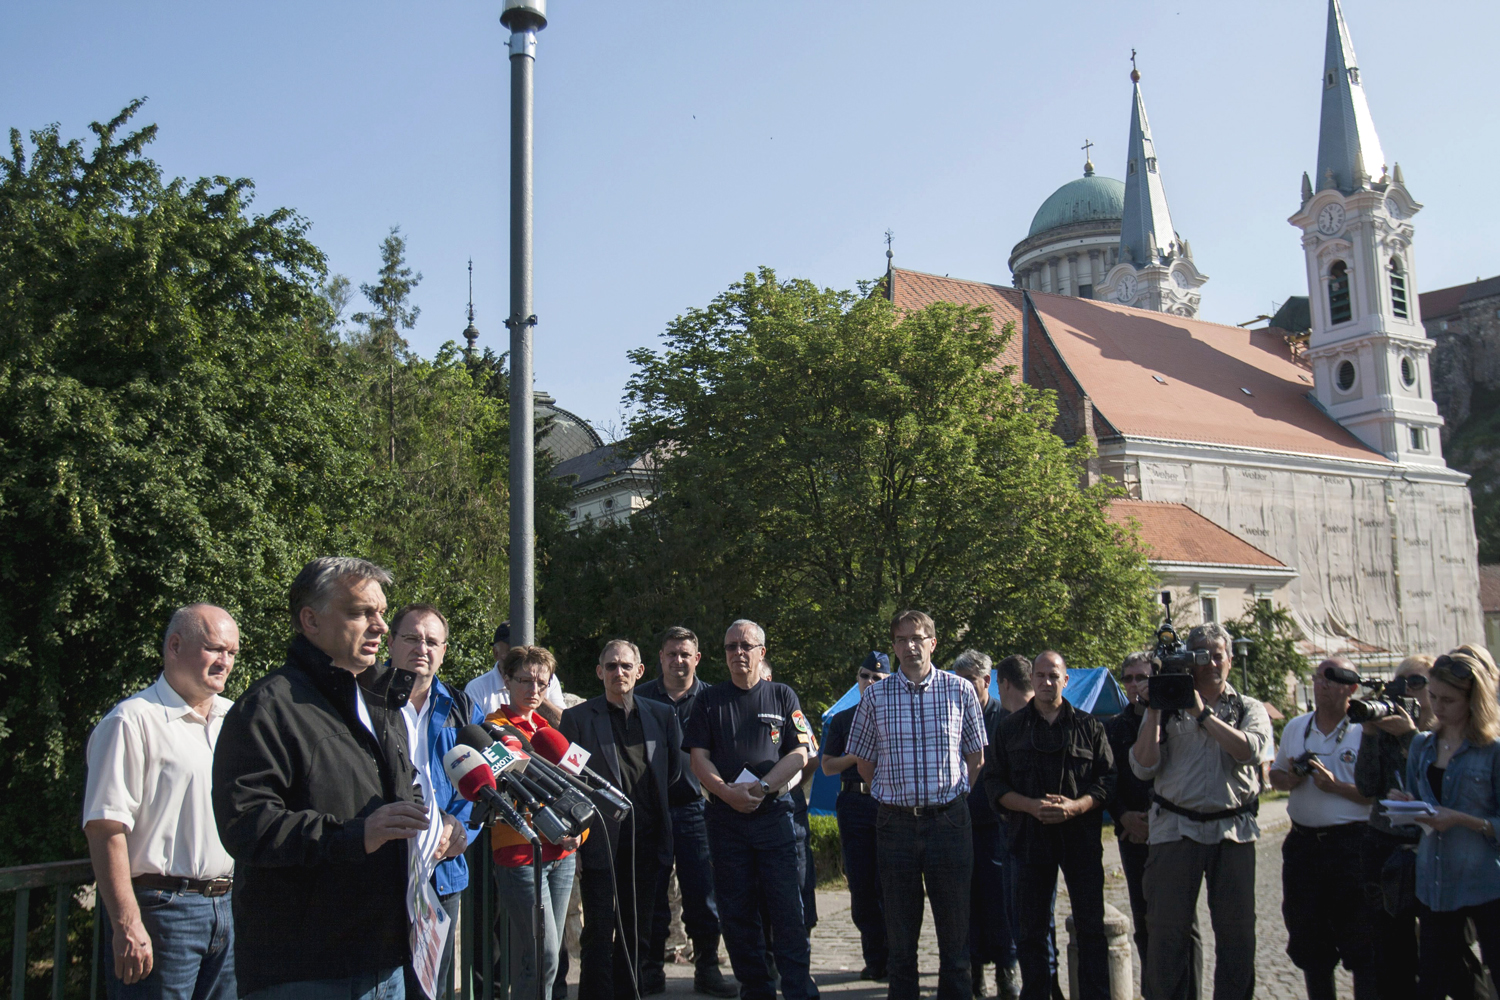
pixel 637 744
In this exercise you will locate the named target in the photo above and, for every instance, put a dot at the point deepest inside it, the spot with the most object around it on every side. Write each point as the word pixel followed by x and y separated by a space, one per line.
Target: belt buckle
pixel 916 811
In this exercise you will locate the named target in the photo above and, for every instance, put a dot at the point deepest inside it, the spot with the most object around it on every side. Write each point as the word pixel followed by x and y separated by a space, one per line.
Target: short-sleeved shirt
pixel 836 744
pixel 1338 751
pixel 489 692
pixel 917 736
pixel 748 730
pixel 151 768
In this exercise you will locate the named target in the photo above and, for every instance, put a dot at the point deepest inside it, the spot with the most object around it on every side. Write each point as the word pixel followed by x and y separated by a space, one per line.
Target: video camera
pixel 1171 687
pixel 1388 696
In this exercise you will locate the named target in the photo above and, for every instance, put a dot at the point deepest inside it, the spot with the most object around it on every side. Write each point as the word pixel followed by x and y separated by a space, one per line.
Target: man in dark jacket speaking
pixel 313 799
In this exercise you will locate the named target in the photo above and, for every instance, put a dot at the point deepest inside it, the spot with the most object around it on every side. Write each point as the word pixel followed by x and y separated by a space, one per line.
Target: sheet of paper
pixel 745 776
pixel 429 921
pixel 1397 807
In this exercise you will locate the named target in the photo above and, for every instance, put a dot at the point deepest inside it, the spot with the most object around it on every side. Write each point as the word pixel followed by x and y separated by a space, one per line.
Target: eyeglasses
pixel 910 640
pixel 740 647
pixel 619 665
pixel 865 675
pixel 1415 682
pixel 416 640
pixel 1135 678
pixel 539 682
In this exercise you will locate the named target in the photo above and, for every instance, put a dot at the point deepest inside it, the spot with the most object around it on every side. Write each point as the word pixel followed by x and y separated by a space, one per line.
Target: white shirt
pixel 1309 805
pixel 416 732
pixel 151 768
pixel 488 691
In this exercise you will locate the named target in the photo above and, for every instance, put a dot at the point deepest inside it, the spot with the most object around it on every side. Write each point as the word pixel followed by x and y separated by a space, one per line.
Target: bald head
pixel 1049 675
pixel 198 653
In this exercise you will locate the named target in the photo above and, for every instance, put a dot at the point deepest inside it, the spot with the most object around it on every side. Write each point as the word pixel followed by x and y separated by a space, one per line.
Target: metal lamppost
pixel 1242 650
pixel 524 18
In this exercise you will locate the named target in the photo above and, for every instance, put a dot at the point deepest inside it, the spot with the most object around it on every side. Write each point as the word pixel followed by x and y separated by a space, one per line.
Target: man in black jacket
pixel 637 745
pixel 1052 772
pixel 313 798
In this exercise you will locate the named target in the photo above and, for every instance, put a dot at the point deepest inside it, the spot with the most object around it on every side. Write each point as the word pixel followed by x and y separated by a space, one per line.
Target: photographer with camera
pixel 1205 760
pixel 1455 769
pixel 1325 921
pixel 1387 856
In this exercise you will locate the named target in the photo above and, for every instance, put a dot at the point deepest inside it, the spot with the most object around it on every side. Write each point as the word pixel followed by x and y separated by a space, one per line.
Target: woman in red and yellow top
pixel 527 670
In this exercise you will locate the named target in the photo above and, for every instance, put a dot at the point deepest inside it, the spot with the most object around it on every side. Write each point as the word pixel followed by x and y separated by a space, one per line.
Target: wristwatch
pixel 1203 715
pixel 765 788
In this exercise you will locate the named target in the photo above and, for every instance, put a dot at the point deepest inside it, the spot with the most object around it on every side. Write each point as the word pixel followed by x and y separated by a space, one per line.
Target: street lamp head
pixel 524 15
pixel 1242 646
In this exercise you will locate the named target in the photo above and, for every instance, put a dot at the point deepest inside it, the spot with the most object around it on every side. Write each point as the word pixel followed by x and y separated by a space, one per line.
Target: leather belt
pixel 201 886
pixel 923 810
pixel 1334 830
pixel 858 787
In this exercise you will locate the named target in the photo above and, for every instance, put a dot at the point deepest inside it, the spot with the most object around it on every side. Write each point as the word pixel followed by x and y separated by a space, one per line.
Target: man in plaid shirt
pixel 919 736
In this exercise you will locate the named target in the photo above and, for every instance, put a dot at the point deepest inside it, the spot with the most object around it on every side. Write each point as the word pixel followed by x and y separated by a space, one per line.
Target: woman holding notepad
pixel 1455 770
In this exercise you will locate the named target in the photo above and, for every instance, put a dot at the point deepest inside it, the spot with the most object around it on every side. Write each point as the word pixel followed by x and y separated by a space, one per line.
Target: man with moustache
pixel 679 687
pixel 637 745
pixel 313 796
pixel 163 875
pixel 748 738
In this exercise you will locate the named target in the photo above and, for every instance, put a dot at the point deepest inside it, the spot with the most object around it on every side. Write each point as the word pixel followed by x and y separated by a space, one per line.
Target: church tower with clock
pixel 1367 347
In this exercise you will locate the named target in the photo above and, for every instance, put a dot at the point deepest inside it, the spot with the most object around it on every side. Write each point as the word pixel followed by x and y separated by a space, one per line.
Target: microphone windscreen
pixel 475 736
pixel 551 744
pixel 468 770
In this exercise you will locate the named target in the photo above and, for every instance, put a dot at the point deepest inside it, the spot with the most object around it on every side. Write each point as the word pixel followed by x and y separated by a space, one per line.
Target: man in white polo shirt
pixel 1325 915
pixel 163 874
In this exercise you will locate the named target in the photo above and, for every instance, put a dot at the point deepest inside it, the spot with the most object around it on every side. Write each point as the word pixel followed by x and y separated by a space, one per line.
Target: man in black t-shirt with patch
pixel 749 739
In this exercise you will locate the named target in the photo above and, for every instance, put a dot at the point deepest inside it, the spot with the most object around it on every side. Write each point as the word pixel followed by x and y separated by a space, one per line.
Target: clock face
pixel 1128 288
pixel 1331 219
pixel 1180 279
pixel 1392 207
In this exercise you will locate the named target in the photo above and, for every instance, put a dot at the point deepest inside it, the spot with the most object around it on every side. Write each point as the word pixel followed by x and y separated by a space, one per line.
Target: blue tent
pixel 1093 689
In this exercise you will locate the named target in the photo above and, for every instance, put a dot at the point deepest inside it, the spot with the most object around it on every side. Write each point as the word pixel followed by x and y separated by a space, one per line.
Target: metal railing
pixel 474 939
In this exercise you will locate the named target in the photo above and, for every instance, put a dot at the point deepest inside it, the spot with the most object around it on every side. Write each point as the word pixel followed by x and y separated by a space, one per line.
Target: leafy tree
pixel 1272 660
pixel 390 297
pixel 169 431
pixel 823 461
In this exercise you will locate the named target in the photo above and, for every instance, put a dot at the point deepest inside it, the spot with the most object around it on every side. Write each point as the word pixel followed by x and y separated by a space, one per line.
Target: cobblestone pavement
pixel 836 955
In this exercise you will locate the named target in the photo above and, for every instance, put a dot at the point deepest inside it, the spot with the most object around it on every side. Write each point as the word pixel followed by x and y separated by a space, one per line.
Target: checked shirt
pixel 917 736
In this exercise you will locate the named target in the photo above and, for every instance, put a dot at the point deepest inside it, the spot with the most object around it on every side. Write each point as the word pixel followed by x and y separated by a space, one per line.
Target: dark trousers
pixel 1133 860
pixel 856 816
pixel 935 850
pixel 757 857
pixel 695 879
pixel 809 870
pixel 1081 860
pixel 1444 969
pixel 989 922
pixel 1326 920
pixel 1393 935
pixel 610 951
pixel 1175 871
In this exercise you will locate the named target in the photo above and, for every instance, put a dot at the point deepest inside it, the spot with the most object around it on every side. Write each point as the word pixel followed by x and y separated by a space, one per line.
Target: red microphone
pixel 470 773
pixel 571 757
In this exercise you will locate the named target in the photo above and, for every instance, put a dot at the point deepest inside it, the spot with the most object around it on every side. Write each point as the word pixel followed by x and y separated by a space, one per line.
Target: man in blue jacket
pixel 434 713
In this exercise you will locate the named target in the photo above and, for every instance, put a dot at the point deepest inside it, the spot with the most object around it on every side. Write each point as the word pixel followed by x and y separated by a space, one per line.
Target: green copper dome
pixel 1086 199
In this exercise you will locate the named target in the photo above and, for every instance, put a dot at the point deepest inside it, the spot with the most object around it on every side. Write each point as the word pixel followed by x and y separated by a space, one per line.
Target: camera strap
pixel 1252 807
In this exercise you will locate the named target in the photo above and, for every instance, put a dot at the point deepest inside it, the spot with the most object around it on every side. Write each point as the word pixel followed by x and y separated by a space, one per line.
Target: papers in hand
pixel 1398 809
pixel 745 776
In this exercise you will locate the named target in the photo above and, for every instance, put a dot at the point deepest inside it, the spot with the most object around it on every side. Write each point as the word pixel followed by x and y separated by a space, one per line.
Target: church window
pixel 1130 167
pixel 1340 310
pixel 1151 164
pixel 1398 288
pixel 1085 291
pixel 609 503
pixel 1418 439
pixel 1346 376
pixel 1408 372
pixel 1330 78
pixel 1353 74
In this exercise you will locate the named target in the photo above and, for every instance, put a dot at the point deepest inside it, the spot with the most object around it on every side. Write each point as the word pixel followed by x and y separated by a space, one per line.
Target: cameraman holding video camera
pixel 1326 920
pixel 1205 760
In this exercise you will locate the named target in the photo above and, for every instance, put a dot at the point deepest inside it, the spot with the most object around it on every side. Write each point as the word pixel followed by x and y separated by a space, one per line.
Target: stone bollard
pixel 1117 936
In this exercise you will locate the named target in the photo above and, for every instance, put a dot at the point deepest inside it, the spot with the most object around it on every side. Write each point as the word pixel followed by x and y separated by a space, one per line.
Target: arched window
pixel 1398 288
pixel 1339 309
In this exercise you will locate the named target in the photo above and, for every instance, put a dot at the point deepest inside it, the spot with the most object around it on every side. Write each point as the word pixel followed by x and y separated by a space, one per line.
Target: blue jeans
pixel 192 948
pixel 387 984
pixel 695 877
pixel 935 852
pixel 758 859
pixel 515 889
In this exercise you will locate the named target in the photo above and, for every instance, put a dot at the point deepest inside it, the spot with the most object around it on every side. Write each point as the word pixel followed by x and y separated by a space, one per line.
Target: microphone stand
pixel 539 922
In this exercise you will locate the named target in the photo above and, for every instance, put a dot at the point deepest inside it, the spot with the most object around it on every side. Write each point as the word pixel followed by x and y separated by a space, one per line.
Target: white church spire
pixel 1348 149
pixel 1146 233
pixel 1156 269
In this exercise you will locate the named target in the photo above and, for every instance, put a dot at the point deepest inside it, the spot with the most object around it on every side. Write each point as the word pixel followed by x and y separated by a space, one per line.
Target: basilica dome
pixel 1083 199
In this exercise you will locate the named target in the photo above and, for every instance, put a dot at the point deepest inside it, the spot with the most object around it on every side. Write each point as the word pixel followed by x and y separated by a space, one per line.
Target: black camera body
pixel 1388 696
pixel 1301 764
pixel 1171 687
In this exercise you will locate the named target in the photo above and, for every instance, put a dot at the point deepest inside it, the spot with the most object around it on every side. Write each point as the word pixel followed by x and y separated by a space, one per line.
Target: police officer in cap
pixel 856 811
pixel 749 740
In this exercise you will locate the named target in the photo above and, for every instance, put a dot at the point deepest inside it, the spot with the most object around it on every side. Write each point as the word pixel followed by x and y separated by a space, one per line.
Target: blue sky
pixel 680 144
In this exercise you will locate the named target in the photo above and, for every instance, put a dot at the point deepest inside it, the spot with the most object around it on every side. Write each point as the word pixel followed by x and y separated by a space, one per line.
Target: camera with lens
pixel 1387 697
pixel 1301 764
pixel 1171 688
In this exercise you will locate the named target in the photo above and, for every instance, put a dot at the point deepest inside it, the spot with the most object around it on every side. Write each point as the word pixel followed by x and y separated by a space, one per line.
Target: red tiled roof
pixel 1173 532
pixel 1489 588
pixel 1115 352
pixel 1445 301
pixel 916 290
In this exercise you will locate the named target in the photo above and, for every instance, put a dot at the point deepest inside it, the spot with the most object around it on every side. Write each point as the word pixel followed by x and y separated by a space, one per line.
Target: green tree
pixel 390 299
pixel 824 460
pixel 1272 659
pixel 169 431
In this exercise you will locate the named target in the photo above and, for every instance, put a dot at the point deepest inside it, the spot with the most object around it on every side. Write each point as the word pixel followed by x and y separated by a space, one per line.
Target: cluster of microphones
pixel 548 776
